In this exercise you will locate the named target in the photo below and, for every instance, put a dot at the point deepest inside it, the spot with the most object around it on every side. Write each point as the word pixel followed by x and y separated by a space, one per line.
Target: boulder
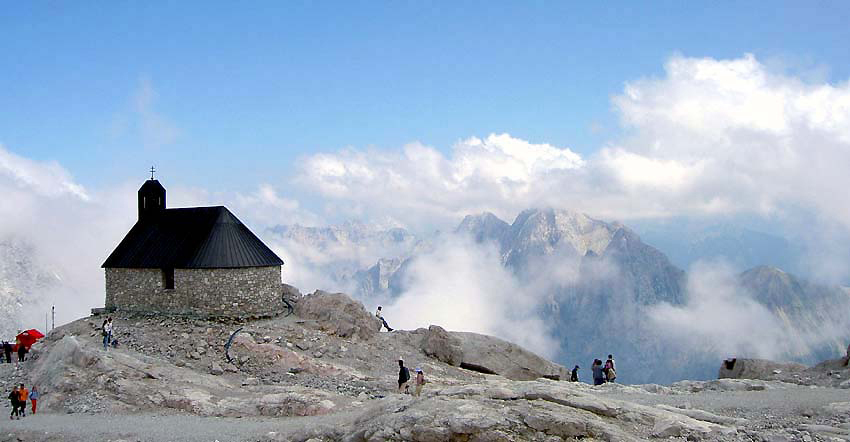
pixel 215 369
pixel 491 355
pixel 338 314
pixel 440 345
pixel 756 369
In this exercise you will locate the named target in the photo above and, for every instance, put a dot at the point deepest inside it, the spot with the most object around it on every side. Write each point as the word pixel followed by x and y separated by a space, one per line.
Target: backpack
pixel 406 374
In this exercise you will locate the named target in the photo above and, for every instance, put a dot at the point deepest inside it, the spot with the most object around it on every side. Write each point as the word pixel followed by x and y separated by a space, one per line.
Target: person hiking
pixel 106 331
pixel 34 395
pixel 14 397
pixel 7 348
pixel 22 352
pixel 380 315
pixel 22 400
pixel 598 376
pixel 610 371
pixel 574 374
pixel 420 380
pixel 403 377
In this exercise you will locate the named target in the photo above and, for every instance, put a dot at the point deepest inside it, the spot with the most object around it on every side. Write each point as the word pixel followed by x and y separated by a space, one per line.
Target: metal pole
pixel 52 317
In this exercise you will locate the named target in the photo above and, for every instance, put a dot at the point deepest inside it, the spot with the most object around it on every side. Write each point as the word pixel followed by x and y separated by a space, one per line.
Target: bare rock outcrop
pixel 338 314
pixel 119 380
pixel 442 346
pixel 272 356
pixel 488 354
pixel 499 409
pixel 756 369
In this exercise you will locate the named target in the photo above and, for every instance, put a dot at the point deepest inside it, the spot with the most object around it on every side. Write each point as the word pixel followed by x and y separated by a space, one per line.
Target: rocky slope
pixel 326 374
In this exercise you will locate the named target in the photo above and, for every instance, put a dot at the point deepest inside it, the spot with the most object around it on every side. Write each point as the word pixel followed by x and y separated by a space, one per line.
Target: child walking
pixel 34 394
pixel 420 380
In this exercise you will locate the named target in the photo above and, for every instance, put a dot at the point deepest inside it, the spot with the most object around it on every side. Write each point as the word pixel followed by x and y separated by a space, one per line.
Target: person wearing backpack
pixel 403 377
pixel 574 374
pixel 610 371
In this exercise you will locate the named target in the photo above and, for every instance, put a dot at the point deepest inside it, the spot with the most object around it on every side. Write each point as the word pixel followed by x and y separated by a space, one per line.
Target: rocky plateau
pixel 326 373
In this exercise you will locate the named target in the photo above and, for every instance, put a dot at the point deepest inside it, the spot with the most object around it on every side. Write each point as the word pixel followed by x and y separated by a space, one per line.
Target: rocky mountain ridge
pixel 596 281
pixel 320 376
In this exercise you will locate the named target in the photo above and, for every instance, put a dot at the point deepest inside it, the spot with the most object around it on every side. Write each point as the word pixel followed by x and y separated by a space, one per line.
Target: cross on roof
pixel 152 171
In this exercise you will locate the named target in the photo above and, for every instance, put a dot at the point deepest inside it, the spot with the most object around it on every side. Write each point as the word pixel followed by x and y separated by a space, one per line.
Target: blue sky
pixel 225 96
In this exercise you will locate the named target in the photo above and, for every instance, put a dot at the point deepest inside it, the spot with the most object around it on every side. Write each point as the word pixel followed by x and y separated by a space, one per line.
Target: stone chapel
pixel 197 261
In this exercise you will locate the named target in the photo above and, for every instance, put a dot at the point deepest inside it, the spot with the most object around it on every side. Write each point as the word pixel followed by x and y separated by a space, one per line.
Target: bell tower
pixel 151 198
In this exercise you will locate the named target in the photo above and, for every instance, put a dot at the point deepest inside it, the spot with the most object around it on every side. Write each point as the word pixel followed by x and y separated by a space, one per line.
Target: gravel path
pixel 145 427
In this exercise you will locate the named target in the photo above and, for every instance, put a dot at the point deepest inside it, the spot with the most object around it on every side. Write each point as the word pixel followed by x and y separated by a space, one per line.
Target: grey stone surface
pixel 338 314
pixel 491 354
pixel 442 346
pixel 238 292
pixel 756 369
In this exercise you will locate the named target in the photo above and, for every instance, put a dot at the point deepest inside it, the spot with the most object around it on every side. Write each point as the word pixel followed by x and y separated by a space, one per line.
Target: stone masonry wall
pixel 240 292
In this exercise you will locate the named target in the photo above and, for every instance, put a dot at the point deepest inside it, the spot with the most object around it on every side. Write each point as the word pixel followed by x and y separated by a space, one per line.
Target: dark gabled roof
pixel 191 238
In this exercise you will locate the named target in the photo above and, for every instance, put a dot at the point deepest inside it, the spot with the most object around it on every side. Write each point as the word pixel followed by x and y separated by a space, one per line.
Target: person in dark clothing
pixel 7 348
pixel 403 377
pixel 22 352
pixel 574 374
pixel 15 397
pixel 598 375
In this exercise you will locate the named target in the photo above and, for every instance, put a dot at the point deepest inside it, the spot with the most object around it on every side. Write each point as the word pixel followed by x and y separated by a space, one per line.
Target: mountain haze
pixel 595 283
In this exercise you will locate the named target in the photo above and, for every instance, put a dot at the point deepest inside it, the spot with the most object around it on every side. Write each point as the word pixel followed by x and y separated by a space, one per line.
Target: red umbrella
pixel 28 338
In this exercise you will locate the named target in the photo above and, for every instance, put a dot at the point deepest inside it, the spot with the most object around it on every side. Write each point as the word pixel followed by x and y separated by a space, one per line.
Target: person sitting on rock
pixel 574 374
pixel 380 315
pixel 420 381
pixel 403 377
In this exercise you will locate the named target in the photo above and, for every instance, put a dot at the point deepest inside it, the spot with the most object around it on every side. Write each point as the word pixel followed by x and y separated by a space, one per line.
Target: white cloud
pixel 45 179
pixel 68 230
pixel 418 184
pixel 462 286
pixel 721 318
pixel 710 137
